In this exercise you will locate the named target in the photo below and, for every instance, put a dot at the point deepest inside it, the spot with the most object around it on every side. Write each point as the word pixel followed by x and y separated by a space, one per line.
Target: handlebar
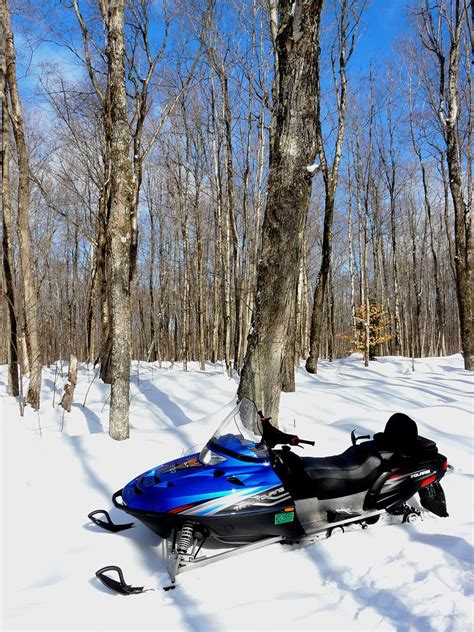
pixel 272 436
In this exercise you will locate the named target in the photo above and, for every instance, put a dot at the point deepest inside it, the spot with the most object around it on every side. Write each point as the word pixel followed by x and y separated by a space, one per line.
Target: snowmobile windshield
pixel 237 437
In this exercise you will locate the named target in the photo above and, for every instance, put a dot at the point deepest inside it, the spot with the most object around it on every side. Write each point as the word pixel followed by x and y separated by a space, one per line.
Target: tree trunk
pixel 463 263
pixel 201 303
pixel 67 398
pixel 152 355
pixel 7 225
pixel 217 285
pixel 293 148
pixel 330 171
pixel 24 236
pixel 317 317
pixel 448 111
pixel 119 226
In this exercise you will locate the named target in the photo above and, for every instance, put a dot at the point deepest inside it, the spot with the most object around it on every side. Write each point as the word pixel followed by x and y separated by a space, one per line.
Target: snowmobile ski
pixel 108 524
pixel 120 586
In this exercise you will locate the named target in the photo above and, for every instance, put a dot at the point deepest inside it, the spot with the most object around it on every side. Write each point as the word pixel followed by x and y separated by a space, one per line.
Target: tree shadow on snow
pixel 382 601
pixel 377 385
pixel 174 414
pixel 93 422
pixel 83 458
pixel 193 618
pixel 451 545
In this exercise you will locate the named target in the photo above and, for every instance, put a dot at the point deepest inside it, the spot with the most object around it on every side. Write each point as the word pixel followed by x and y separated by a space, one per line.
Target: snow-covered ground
pixel 57 467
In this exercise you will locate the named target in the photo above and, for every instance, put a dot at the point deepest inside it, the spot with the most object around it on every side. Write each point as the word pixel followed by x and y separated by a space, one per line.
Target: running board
pixel 178 563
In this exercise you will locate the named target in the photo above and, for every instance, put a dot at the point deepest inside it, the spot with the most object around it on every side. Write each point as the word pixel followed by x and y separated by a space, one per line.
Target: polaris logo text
pixel 418 474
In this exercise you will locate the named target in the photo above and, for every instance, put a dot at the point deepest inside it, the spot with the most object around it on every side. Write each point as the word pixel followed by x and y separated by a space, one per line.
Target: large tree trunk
pixel 119 226
pixel 293 148
pixel 24 234
pixel 448 112
pixel 7 227
pixel 462 230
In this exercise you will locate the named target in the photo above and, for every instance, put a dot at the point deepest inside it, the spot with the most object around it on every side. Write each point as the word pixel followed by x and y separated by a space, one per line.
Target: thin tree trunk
pixel 67 399
pixel 351 262
pixel 331 334
pixel 317 317
pixel 201 303
pixel 152 355
pixel 217 235
pixel 330 171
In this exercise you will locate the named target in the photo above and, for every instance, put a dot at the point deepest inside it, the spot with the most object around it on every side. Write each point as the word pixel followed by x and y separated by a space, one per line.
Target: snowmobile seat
pixel 345 474
pixel 425 447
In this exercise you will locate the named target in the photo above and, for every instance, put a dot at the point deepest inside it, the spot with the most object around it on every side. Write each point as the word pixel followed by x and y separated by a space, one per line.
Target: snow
pixel 314 168
pixel 57 467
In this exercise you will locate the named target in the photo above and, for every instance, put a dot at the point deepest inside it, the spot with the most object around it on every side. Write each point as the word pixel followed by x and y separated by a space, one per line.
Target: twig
pixel 55 378
pixel 90 384
pixel 39 424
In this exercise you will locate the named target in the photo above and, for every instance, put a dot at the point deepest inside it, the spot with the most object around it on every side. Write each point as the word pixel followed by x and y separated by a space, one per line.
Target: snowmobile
pixel 242 493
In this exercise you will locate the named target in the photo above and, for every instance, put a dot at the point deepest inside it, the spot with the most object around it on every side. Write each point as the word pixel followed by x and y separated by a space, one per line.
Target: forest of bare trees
pixel 184 174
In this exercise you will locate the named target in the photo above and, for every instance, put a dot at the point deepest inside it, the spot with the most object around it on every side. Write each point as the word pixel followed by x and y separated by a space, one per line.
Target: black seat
pixel 348 473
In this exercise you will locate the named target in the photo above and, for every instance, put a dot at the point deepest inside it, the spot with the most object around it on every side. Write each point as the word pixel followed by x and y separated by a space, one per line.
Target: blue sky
pixel 383 20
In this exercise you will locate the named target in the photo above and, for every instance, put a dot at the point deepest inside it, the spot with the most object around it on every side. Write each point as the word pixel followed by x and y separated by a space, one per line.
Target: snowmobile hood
pixel 187 482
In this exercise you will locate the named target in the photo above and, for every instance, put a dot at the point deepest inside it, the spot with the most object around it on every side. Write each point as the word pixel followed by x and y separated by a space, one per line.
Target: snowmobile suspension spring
pixel 185 538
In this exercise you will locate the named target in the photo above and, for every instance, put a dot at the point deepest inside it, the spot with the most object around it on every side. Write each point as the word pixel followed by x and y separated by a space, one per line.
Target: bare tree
pixel 292 148
pixel 28 281
pixel 348 17
pixel 440 21
pixel 7 242
pixel 120 224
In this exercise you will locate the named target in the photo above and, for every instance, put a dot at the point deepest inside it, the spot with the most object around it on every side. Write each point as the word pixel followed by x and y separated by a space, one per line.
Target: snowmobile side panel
pixel 245 520
pixel 400 484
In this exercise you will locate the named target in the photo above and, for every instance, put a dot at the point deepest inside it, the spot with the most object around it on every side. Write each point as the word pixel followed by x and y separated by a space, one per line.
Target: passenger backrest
pixel 401 432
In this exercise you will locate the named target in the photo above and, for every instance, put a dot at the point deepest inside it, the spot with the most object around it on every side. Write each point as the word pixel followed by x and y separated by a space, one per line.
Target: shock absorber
pixel 185 538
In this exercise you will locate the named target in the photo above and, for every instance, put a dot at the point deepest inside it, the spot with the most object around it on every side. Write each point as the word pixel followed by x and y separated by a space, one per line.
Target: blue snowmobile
pixel 244 493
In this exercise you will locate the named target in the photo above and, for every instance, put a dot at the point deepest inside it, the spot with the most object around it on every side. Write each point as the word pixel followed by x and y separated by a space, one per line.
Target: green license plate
pixel 282 518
